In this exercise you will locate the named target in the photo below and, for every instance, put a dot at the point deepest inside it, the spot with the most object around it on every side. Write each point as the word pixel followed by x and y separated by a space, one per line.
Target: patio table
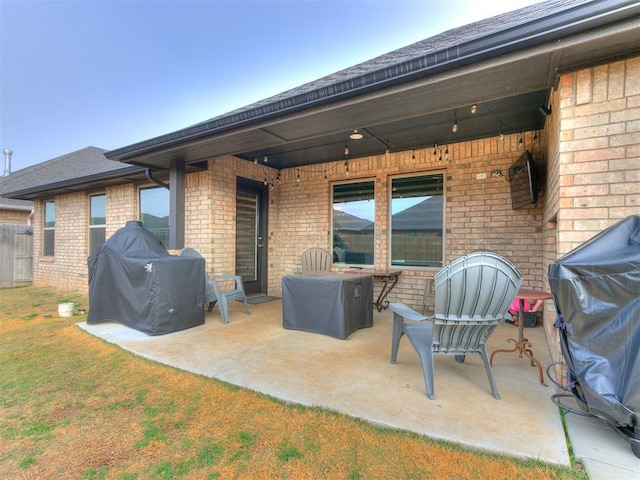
pixel 334 304
pixel 522 345
pixel 389 278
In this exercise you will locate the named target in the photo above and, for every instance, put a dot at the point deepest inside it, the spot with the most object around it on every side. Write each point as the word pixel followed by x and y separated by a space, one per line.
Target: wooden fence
pixel 16 255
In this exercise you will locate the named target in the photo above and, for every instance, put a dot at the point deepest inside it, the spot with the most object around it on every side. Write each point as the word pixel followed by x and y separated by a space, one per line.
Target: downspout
pixel 147 173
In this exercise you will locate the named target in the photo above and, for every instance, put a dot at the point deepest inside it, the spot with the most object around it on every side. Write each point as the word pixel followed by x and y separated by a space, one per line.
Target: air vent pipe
pixel 7 162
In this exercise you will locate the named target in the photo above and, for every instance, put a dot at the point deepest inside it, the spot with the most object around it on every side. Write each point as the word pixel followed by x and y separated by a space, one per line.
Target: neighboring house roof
pixel 84 169
pixel 16 205
pixel 426 215
pixel 345 221
pixel 407 98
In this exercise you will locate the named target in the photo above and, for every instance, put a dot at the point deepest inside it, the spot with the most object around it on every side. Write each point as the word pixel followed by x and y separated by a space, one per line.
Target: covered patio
pixel 355 377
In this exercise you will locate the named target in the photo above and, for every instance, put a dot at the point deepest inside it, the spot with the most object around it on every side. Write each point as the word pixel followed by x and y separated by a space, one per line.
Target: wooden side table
pixel 522 345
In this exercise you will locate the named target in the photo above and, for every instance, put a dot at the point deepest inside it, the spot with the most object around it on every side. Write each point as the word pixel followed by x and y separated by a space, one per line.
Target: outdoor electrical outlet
pixel 496 173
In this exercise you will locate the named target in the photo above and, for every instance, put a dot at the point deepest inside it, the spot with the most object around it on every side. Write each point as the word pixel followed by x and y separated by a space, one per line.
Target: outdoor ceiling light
pixel 474 109
pixel 454 127
pixel 355 135
pixel 544 111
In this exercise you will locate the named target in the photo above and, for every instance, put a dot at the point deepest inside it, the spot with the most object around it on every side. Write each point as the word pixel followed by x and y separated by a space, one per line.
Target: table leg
pixel 522 346
pixel 381 303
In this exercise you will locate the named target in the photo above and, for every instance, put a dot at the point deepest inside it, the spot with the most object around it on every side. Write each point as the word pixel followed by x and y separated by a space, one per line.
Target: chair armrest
pixel 231 278
pixel 406 312
pixel 225 277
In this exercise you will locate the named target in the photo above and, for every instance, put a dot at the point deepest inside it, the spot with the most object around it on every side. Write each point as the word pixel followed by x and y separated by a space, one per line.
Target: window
pixel 49 228
pixel 354 209
pixel 417 220
pixel 154 212
pixel 97 220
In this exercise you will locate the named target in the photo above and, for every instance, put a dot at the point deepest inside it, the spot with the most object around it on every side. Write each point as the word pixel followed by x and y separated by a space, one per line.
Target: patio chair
pixel 315 260
pixel 215 293
pixel 472 296
pixel 429 297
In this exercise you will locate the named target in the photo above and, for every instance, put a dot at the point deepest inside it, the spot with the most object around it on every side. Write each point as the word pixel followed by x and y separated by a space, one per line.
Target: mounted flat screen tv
pixel 522 180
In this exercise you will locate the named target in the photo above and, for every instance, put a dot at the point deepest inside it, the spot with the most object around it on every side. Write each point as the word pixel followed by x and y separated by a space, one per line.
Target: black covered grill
pixel 135 281
pixel 596 289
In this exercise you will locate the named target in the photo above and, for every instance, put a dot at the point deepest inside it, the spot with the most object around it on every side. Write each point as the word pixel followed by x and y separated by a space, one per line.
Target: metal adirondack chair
pixel 472 295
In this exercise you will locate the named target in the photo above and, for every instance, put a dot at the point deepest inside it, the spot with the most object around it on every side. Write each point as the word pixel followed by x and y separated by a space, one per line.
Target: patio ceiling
pixel 413 109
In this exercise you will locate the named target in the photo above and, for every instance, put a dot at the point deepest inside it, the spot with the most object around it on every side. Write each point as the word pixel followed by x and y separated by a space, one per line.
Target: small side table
pixel 522 345
pixel 389 279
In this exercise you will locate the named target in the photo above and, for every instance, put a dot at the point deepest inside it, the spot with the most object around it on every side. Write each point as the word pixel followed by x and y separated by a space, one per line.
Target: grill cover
pixel 596 289
pixel 133 280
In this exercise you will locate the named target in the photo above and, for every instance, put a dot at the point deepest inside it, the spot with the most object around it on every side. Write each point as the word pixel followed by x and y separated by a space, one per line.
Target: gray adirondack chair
pixel 315 260
pixel 472 296
pixel 214 291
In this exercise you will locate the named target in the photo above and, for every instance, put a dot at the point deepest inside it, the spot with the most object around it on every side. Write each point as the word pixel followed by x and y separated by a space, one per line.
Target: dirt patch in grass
pixel 73 406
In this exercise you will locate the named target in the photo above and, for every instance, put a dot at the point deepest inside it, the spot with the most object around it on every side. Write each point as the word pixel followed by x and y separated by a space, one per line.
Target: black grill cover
pixel 596 289
pixel 133 280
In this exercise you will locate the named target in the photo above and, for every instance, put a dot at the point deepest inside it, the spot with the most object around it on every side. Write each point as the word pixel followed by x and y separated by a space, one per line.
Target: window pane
pixel 49 214
pixel 154 212
pixel 417 221
pixel 49 237
pixel 354 212
pixel 98 207
pixel 246 236
pixel 96 237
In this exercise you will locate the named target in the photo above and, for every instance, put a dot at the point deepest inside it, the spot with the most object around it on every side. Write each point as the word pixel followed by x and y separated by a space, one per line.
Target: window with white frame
pixel 417 220
pixel 48 248
pixel 97 220
pixel 353 222
pixel 154 211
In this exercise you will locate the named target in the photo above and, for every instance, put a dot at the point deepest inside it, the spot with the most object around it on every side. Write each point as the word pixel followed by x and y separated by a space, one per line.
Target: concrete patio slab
pixel 355 377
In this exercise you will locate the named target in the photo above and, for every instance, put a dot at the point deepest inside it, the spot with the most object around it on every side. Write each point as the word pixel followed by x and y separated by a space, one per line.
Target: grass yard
pixel 75 407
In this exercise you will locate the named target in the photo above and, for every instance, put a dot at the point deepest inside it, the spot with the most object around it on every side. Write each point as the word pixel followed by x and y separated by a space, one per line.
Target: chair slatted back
pixel 473 294
pixel 316 260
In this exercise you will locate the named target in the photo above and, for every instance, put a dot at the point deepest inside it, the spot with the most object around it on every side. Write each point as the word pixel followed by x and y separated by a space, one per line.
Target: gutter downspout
pixel 147 173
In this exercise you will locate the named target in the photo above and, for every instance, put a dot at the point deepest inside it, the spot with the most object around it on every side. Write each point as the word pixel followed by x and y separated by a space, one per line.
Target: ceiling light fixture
pixel 545 111
pixel 474 109
pixel 454 127
pixel 356 135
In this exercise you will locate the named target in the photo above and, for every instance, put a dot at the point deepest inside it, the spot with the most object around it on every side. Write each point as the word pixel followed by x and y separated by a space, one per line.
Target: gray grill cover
pixel 596 289
pixel 133 280
pixel 329 303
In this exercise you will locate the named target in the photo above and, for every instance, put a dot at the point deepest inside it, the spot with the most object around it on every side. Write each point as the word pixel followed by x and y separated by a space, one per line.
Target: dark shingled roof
pixel 81 166
pixel 426 215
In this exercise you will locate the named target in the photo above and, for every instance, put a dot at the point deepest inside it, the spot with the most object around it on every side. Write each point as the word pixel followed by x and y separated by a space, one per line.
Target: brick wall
pixel 14 217
pixel 67 269
pixel 478 213
pixel 599 150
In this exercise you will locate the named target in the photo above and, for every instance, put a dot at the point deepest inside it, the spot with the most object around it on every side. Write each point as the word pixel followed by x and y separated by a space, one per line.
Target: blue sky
pixel 109 73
